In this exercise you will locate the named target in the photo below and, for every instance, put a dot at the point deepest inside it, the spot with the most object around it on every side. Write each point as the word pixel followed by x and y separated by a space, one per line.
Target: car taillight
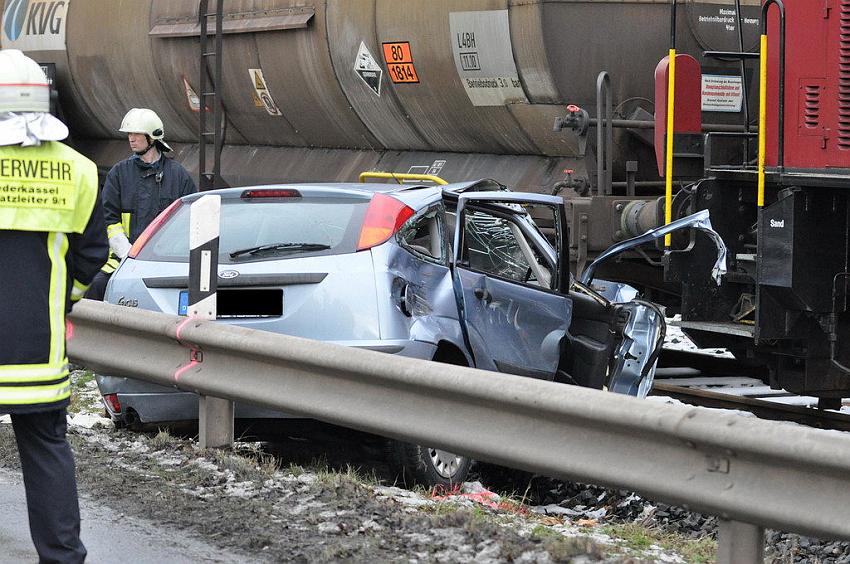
pixel 384 217
pixel 112 402
pixel 153 227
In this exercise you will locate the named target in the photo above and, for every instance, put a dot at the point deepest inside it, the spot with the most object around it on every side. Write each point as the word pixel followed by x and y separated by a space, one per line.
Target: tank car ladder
pixel 209 179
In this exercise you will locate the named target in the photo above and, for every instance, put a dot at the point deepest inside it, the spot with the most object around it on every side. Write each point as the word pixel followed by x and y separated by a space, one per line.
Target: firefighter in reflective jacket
pixel 138 189
pixel 52 242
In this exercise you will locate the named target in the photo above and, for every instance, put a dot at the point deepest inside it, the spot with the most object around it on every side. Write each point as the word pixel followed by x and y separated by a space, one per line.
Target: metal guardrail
pixel 744 470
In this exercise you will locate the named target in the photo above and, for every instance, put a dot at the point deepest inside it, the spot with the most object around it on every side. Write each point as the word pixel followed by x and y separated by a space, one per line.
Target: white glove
pixel 120 245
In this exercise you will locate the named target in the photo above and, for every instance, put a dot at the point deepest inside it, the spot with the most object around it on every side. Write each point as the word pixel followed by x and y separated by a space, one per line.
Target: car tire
pixel 426 466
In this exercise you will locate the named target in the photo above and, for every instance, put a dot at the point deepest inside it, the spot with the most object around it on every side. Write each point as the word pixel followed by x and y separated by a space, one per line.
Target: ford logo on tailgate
pixel 227 274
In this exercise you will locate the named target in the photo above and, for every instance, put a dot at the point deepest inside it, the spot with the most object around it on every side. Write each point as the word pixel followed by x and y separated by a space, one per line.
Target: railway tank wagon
pixel 325 89
pixel 322 90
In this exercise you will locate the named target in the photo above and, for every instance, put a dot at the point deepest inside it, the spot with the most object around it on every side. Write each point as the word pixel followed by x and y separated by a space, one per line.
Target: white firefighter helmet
pixel 143 120
pixel 25 117
pixel 23 85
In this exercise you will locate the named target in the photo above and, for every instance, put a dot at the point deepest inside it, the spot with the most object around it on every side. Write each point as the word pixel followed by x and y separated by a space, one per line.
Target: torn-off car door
pixel 508 283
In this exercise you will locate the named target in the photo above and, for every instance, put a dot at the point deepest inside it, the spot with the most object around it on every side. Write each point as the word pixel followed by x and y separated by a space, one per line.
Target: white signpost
pixel 215 415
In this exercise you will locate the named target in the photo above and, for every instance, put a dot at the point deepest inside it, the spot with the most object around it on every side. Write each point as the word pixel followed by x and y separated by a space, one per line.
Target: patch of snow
pixel 392 491
pixel 307 479
pixel 170 460
pixel 676 340
pixel 330 528
pixel 370 525
pixel 204 464
pixel 417 538
pixel 488 550
pixel 89 421
pixel 414 502
pixel 244 490
pixel 534 557
pixel 309 507
pixel 554 509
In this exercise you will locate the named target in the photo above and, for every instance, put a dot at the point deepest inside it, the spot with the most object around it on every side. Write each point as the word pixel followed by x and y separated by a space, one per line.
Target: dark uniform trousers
pixel 48 469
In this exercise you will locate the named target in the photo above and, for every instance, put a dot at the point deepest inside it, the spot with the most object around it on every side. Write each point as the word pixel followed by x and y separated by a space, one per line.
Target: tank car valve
pixel 578 120
pixel 580 185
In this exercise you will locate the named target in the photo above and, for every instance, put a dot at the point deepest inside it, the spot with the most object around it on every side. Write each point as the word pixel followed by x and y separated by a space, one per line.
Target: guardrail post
pixel 739 543
pixel 215 415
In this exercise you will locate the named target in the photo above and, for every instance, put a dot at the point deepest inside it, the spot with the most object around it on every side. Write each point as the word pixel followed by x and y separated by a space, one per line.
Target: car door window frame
pixel 533 240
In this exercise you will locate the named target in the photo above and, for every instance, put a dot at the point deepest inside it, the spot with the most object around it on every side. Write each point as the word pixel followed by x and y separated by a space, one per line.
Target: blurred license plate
pixel 241 302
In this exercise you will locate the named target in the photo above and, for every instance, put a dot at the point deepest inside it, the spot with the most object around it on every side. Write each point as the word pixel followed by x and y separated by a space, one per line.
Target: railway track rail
pixel 725 383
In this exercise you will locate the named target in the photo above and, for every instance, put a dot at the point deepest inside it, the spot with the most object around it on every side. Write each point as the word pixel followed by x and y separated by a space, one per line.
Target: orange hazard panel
pixel 399 60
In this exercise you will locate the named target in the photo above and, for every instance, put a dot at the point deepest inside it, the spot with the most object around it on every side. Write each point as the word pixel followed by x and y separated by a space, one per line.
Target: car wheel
pixel 431 467
pixel 427 466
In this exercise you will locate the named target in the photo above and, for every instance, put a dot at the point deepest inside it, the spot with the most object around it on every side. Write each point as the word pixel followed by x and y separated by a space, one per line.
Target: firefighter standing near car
pixel 52 243
pixel 138 189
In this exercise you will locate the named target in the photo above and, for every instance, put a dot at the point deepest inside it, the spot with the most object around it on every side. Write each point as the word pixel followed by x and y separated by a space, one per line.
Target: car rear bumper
pixel 152 403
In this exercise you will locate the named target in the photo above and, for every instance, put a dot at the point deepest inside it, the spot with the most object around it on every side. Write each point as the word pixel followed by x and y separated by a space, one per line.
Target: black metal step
pixel 726 327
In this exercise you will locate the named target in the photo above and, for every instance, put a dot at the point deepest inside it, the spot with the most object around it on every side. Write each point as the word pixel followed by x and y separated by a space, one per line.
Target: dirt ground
pixel 243 503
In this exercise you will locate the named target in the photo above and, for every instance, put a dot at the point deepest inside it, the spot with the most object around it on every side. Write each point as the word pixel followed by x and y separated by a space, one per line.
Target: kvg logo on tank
pixel 34 25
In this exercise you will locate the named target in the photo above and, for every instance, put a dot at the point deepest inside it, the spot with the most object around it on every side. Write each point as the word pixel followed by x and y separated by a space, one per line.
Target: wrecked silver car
pixel 459 274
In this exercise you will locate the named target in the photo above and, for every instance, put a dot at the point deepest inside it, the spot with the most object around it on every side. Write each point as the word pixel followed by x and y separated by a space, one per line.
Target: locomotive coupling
pixel 639 216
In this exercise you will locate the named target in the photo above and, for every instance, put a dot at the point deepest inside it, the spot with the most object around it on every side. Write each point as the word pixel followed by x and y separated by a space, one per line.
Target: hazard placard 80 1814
pixel 399 60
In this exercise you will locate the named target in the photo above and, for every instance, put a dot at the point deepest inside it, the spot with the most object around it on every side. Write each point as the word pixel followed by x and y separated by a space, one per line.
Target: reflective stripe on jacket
pixel 52 240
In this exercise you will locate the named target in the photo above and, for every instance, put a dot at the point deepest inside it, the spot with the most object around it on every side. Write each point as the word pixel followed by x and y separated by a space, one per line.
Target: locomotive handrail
pixel 780 160
pixel 670 117
pixel 604 135
pixel 400 177
pixel 745 470
pixel 743 65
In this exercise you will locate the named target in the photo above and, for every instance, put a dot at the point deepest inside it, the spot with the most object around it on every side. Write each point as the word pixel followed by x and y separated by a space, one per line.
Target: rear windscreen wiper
pixel 280 247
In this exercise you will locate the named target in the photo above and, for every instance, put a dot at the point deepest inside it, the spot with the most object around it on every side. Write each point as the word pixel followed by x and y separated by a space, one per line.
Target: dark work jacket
pixel 136 192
